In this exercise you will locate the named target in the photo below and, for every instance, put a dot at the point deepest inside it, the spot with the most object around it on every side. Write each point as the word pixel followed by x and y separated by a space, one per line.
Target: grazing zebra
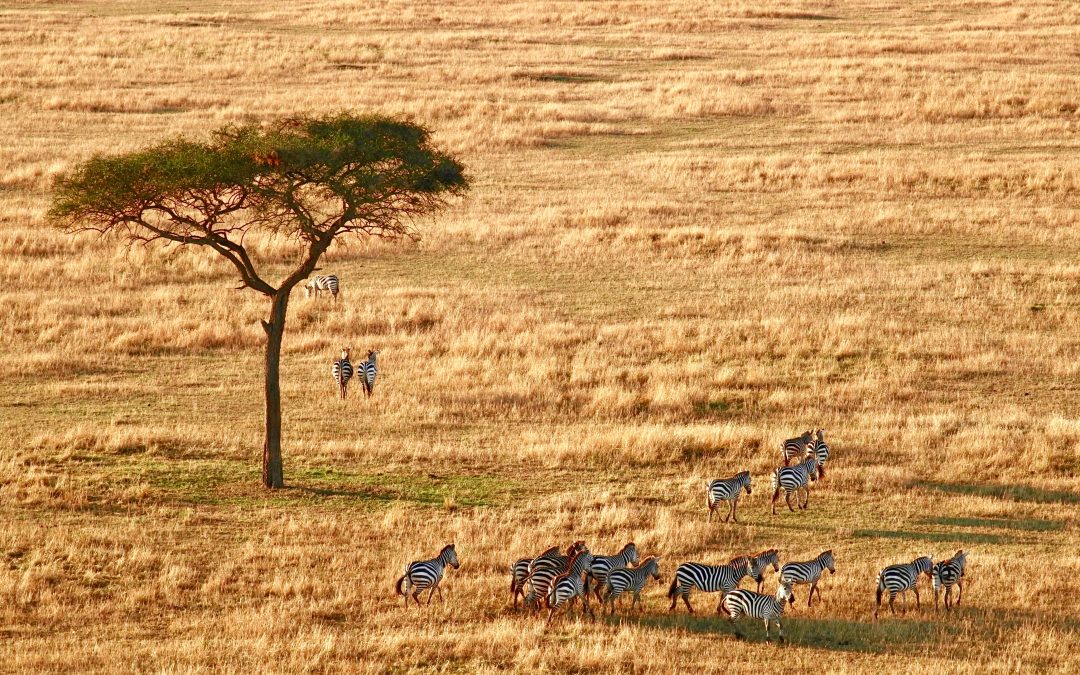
pixel 727 490
pixel 603 564
pixel 318 284
pixel 949 573
pixel 808 572
pixel 741 602
pixel 343 372
pixel 794 479
pixel 900 579
pixel 368 372
pixel 634 579
pixel 426 574
pixel 820 449
pixel 520 570
pixel 545 570
pixel 568 587
pixel 795 447
pixel 760 563
pixel 707 578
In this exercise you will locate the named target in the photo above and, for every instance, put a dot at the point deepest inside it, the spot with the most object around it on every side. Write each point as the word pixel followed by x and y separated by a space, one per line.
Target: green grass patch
pixel 1029 524
pixel 954 537
pixel 1019 493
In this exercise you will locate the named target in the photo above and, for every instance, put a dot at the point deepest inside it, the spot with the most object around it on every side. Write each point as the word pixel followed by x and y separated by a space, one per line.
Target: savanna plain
pixel 695 229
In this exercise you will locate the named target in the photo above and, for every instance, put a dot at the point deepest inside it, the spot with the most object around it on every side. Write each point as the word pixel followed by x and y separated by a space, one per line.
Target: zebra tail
pixel 398 586
pixel 775 479
pixel 674 587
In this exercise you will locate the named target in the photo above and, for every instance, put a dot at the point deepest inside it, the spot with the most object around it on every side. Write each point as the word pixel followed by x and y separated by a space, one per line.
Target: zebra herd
pixel 342 369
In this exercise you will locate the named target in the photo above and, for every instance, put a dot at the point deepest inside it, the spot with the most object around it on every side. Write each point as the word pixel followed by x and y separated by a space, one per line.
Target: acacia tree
pixel 308 180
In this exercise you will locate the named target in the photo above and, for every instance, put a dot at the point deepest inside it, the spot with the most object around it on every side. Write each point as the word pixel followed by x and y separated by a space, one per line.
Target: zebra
pixel 808 572
pixel 343 372
pixel 794 479
pixel 727 489
pixel 795 447
pixel 759 564
pixel 603 564
pixel 633 580
pixel 949 573
pixel 426 574
pixel 568 587
pixel 901 578
pixel 520 570
pixel 544 571
pixel 707 578
pixel 820 449
pixel 741 602
pixel 368 372
pixel 318 284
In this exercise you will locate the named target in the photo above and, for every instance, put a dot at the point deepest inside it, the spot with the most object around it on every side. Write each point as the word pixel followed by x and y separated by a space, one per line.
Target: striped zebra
pixel 707 578
pixel 569 586
pixel 625 579
pixel 794 479
pixel 820 449
pixel 426 574
pixel 544 571
pixel 793 448
pixel 343 372
pixel 520 570
pixel 603 564
pixel 368 371
pixel 727 490
pixel 900 579
pixel 741 602
pixel 760 563
pixel 949 573
pixel 808 572
pixel 318 284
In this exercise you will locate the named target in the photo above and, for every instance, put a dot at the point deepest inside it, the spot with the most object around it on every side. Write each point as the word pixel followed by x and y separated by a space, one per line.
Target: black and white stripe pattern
pixel 900 579
pixel 727 490
pixel 543 571
pixel 519 571
pixel 794 479
pixel 760 563
pixel 633 580
pixel 368 372
pixel 808 572
pixel 707 578
pixel 426 574
pixel 819 449
pixel 741 602
pixel 793 448
pixel 342 371
pixel 603 564
pixel 569 586
pixel 318 284
pixel 949 573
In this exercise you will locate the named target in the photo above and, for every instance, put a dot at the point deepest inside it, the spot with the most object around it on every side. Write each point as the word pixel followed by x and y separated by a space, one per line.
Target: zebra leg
pixel 767 622
pixel 959 591
pixel 711 507
pixel 430 593
pixel 810 600
pixel 416 599
pixel 439 588
pixel 775 496
pixel 787 498
pixel 780 629
pixel 915 589
pixel 892 597
pixel 550 614
pixel 686 599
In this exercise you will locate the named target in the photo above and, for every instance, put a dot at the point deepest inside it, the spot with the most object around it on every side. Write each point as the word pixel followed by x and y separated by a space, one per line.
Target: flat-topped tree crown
pixel 309 179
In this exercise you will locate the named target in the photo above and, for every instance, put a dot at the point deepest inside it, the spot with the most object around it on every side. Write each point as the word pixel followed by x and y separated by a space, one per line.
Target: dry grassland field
pixel 695 229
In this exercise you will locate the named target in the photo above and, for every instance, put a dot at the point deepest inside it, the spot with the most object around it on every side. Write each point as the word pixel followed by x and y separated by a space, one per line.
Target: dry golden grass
pixel 695 231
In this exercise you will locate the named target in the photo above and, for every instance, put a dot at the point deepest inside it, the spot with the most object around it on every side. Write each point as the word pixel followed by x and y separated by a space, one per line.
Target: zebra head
pixel 785 594
pixel 630 550
pixel 449 556
pixel 653 565
pixel 372 353
pixel 309 287
pixel 827 560
pixel 924 565
pixel 741 565
pixel 345 353
pixel 573 549
pixel 744 480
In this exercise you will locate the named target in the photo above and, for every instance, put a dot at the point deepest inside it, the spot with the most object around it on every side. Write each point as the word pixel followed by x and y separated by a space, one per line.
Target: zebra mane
pixel 445 549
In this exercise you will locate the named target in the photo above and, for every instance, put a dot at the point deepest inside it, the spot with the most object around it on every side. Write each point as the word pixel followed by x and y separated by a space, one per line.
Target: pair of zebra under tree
pixel 367 371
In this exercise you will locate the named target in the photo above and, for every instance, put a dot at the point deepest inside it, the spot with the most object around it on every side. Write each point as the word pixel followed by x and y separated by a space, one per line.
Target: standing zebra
pixel 568 587
pixel 520 570
pixel 760 563
pixel 707 578
pixel 795 447
pixel 727 489
pixel 820 449
pixel 318 284
pixel 343 372
pixel 603 564
pixel 368 372
pixel 426 574
pixel 625 579
pixel 949 573
pixel 900 579
pixel 808 572
pixel 794 479
pixel 741 602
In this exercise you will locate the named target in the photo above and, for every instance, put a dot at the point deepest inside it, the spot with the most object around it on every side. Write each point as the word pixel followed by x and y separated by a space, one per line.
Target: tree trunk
pixel 272 472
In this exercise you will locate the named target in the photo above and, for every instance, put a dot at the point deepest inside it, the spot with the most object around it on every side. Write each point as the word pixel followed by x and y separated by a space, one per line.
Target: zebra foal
pixel 426 574
pixel 741 602
pixel 727 490
pixel 633 580
pixel 808 572
pixel 603 564
pixel 569 586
